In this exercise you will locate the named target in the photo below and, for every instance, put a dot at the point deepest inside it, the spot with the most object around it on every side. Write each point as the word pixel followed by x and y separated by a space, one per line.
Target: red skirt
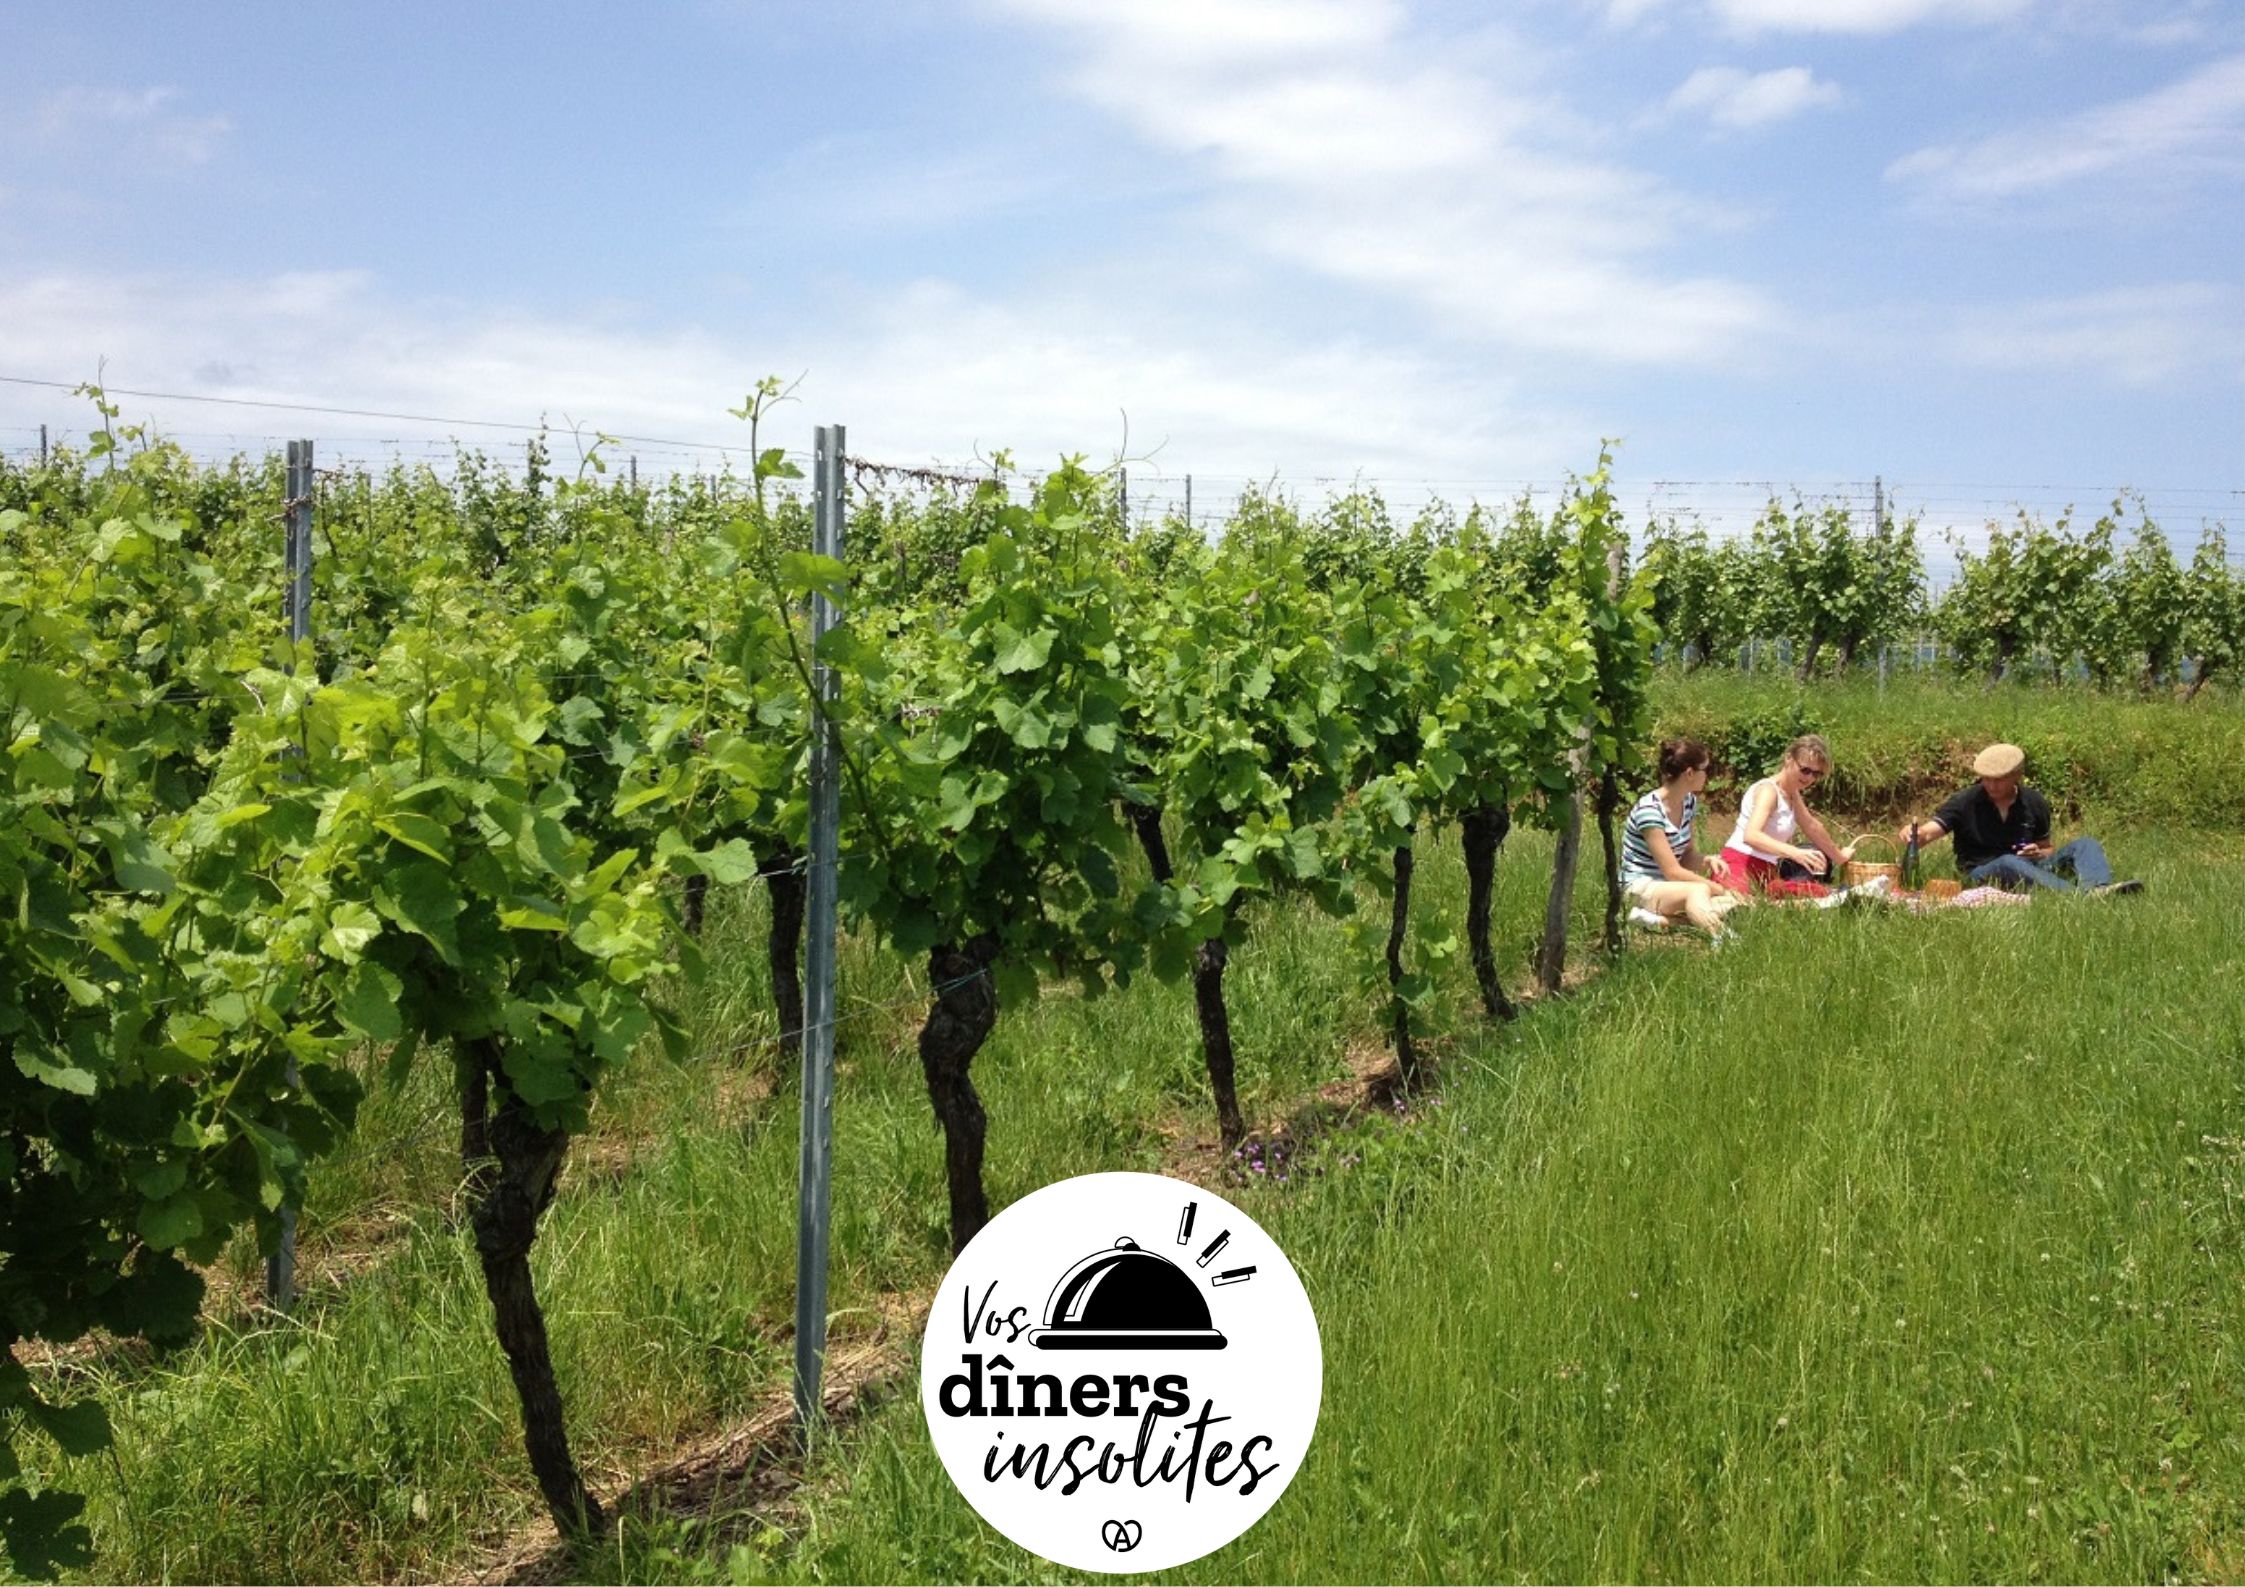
pixel 1737 869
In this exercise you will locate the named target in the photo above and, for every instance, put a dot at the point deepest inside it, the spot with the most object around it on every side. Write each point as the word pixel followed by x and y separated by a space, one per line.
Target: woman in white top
pixel 1662 871
pixel 1772 816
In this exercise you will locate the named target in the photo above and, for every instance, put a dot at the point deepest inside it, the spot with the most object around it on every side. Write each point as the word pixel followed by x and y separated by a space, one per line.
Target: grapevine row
pixel 2107 599
pixel 468 824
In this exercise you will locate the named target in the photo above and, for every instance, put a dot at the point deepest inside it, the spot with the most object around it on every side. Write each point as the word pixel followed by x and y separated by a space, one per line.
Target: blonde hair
pixel 1810 749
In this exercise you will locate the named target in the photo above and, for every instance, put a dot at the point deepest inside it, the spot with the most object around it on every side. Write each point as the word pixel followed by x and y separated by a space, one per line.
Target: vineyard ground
pixel 1870 1247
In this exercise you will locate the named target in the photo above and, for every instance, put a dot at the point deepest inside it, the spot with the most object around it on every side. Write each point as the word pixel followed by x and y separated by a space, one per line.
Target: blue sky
pixel 1987 249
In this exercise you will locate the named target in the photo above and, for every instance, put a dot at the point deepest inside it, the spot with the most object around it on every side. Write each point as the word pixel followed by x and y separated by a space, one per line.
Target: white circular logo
pixel 1121 1372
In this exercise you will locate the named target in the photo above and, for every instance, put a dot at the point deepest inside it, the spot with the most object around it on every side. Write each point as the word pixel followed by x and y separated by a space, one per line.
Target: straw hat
pixel 1999 760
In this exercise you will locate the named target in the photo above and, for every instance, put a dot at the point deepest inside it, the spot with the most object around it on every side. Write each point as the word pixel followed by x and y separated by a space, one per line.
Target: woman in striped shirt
pixel 1662 870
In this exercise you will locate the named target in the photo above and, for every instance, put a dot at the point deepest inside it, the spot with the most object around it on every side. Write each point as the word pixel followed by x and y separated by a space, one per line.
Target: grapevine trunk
pixel 1216 1036
pixel 1208 986
pixel 1483 830
pixel 1551 962
pixel 958 1023
pixel 790 892
pixel 1609 807
pixel 1406 1054
pixel 1145 820
pixel 513 1186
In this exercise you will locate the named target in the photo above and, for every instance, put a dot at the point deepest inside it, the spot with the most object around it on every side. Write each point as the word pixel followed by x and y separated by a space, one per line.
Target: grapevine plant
pixel 1240 742
pixel 168 1063
pixel 469 824
pixel 992 805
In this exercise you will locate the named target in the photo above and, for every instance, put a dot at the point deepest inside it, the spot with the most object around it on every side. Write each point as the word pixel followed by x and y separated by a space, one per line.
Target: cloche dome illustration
pixel 1125 1298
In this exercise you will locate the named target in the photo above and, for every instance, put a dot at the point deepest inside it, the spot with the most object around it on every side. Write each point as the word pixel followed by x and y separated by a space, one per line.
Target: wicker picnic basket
pixel 1860 871
pixel 1942 887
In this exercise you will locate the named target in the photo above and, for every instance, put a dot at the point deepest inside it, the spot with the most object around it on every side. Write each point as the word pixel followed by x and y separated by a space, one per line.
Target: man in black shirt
pixel 2002 833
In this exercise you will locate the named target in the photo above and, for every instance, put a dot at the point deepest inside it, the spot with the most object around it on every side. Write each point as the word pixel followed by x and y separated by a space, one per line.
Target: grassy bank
pixel 1881 1248
pixel 375 1434
pixel 2153 762
pixel 1820 1257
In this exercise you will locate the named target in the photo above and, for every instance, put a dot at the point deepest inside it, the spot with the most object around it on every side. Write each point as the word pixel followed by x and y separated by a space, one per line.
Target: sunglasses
pixel 1810 773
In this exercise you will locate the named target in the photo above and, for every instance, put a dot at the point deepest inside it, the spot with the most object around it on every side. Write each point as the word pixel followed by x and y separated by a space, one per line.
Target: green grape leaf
pixel 40 1532
pixel 79 1428
pixel 52 1068
pixel 369 1002
pixel 730 863
pixel 1018 652
pixel 350 927
pixel 172 1221
pixel 419 832
pixel 424 898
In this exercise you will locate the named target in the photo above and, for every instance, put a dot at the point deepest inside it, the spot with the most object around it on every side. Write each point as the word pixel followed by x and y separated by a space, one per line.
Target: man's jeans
pixel 2084 857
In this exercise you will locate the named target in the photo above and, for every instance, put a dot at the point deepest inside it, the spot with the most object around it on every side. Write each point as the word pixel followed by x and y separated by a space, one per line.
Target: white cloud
pixel 928 373
pixel 1753 17
pixel 1859 16
pixel 2199 119
pixel 1433 172
pixel 860 185
pixel 1730 97
pixel 2136 336
pixel 1231 31
pixel 142 119
pixel 2157 24
pixel 2169 30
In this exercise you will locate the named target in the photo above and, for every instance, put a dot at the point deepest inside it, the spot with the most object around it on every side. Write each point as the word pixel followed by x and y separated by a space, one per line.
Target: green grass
pixel 1818 1258
pixel 2154 762
pixel 1878 1248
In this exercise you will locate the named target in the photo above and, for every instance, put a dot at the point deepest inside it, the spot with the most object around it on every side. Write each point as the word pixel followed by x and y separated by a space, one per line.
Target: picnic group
pixel 1780 851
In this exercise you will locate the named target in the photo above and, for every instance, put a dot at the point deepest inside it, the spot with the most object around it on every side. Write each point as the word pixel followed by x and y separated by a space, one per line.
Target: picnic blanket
pixel 1970 898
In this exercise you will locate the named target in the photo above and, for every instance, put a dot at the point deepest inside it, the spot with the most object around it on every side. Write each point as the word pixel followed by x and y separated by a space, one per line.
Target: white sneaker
pixel 1641 916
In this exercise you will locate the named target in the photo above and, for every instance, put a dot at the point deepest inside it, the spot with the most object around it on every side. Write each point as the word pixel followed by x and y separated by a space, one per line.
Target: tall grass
pixel 374 1435
pixel 1819 1257
pixel 2144 762
pixel 1875 1248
